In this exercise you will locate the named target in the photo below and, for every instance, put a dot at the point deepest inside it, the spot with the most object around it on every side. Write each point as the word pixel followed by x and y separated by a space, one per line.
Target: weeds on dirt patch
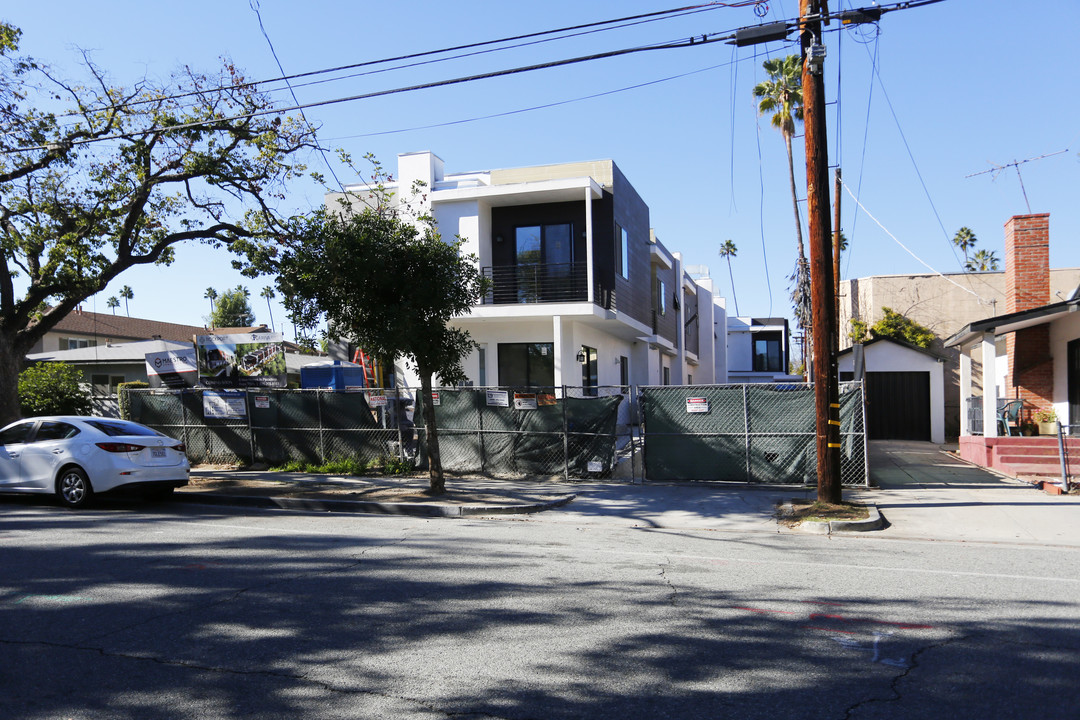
pixel 806 511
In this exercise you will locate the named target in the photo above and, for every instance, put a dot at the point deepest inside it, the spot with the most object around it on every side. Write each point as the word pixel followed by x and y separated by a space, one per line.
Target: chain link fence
pixel 277 426
pixel 566 432
pixel 499 432
pixel 749 433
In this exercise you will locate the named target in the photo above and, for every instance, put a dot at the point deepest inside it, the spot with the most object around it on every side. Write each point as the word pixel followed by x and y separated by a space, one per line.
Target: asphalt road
pixel 174 611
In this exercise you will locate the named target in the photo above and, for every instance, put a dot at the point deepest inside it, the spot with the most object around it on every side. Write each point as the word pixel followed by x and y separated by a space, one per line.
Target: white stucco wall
pixel 1061 333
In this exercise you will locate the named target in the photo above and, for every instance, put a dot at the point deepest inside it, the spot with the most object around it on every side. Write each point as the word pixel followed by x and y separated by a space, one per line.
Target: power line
pixel 254 4
pixel 704 39
pixel 598 26
pixel 691 42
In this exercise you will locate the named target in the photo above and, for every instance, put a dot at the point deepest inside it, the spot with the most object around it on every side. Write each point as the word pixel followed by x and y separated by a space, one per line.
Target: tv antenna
pixel 998 169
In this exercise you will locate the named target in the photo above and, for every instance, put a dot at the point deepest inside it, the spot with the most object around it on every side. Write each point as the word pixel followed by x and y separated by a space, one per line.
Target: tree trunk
pixel 794 197
pixel 437 483
pixel 12 357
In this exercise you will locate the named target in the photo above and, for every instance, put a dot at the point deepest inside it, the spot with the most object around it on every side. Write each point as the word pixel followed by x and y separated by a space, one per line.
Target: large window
pixel 545 256
pixel 622 252
pixel 526 364
pixel 768 353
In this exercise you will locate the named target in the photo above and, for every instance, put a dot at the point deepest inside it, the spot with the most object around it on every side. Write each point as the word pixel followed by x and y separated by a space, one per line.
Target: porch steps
pixel 1033 456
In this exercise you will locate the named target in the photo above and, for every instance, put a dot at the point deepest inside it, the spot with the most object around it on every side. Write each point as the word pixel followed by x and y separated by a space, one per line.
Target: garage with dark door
pixel 898 405
pixel 904 390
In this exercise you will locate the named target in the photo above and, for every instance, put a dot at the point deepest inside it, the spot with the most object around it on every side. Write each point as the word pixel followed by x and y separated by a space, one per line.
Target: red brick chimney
pixel 1027 286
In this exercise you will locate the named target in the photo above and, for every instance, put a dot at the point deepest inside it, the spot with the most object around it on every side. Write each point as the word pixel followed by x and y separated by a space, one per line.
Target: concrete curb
pixel 827 527
pixel 366 506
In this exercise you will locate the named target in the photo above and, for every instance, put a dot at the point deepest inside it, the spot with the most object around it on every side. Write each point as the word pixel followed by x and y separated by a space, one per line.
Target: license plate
pixel 157 452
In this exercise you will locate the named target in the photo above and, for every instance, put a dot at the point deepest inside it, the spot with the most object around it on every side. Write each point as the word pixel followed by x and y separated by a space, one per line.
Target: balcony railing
pixel 536 283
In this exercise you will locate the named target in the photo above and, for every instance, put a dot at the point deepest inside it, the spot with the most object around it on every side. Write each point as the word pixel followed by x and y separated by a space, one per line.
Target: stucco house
pixel 583 292
pixel 83 329
pixel 759 350
pixel 1030 353
pixel 944 303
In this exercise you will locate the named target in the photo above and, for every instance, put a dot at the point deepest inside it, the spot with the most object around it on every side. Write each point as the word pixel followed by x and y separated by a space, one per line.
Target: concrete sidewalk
pixel 925 492
pixel 920 490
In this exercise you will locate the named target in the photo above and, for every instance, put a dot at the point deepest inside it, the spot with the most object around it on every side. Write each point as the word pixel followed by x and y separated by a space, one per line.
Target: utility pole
pixel 823 307
pixel 836 258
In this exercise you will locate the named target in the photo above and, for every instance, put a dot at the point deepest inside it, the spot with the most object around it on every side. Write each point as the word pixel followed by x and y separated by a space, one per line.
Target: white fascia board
pixel 661 257
pixel 531 193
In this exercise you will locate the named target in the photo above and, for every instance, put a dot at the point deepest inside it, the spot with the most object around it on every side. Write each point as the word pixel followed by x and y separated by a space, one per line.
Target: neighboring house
pixel 759 350
pixel 944 304
pixel 105 366
pixel 1030 353
pixel 82 329
pixel 582 293
pixel 905 389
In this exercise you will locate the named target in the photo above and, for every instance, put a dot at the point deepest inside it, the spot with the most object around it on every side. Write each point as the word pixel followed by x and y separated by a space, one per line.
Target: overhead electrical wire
pixel 254 4
pixel 598 26
pixel 707 38
pixel 691 42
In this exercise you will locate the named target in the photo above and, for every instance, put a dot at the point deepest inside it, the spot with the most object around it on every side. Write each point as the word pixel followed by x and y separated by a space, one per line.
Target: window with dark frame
pixel 589 371
pixel 526 364
pixel 768 353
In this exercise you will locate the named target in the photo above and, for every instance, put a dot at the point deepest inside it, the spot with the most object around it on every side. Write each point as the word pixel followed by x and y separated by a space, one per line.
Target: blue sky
pixel 960 87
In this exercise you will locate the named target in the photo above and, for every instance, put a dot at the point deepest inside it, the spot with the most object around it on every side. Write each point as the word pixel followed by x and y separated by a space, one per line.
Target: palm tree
pixel 211 294
pixel 781 95
pixel 965 240
pixel 982 261
pixel 728 250
pixel 268 293
pixel 127 293
pixel 113 303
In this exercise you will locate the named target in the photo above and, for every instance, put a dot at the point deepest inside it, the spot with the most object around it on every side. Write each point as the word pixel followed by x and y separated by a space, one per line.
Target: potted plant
pixel 1028 428
pixel 1047 421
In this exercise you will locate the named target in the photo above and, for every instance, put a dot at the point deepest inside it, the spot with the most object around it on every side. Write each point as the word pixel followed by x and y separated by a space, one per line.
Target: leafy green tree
pixel 388 285
pixel 96 179
pixel 268 293
pixel 898 327
pixel 233 309
pixel 982 261
pixel 781 96
pixel 965 240
pixel 53 388
pixel 127 293
pixel 113 303
pixel 728 250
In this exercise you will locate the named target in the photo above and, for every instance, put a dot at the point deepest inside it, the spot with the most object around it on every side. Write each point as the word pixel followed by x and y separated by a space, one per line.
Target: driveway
pixel 925 492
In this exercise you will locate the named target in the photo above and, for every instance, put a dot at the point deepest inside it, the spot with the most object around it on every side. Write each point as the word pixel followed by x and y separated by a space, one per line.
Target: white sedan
pixel 76 457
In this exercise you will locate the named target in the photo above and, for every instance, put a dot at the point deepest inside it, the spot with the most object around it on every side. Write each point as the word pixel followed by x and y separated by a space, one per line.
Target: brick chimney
pixel 1027 286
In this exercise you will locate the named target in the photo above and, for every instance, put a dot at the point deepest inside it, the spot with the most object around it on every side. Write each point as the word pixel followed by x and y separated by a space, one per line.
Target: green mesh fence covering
pixel 275 426
pixel 559 436
pixel 752 433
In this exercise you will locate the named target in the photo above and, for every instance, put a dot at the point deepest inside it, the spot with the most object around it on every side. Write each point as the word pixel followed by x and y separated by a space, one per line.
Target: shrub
pixel 124 399
pixel 53 388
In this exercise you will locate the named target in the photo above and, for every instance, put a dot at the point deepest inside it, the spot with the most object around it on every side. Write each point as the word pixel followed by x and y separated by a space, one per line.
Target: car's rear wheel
pixel 73 488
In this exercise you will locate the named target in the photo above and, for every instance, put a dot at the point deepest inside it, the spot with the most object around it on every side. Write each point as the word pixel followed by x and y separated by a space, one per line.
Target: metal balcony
pixel 536 283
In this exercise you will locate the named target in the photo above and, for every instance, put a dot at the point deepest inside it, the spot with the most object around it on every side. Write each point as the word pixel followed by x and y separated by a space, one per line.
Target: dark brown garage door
pixel 898 405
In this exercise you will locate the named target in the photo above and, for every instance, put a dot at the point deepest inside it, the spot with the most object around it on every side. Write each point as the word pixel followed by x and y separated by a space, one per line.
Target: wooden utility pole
pixel 823 307
pixel 836 258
